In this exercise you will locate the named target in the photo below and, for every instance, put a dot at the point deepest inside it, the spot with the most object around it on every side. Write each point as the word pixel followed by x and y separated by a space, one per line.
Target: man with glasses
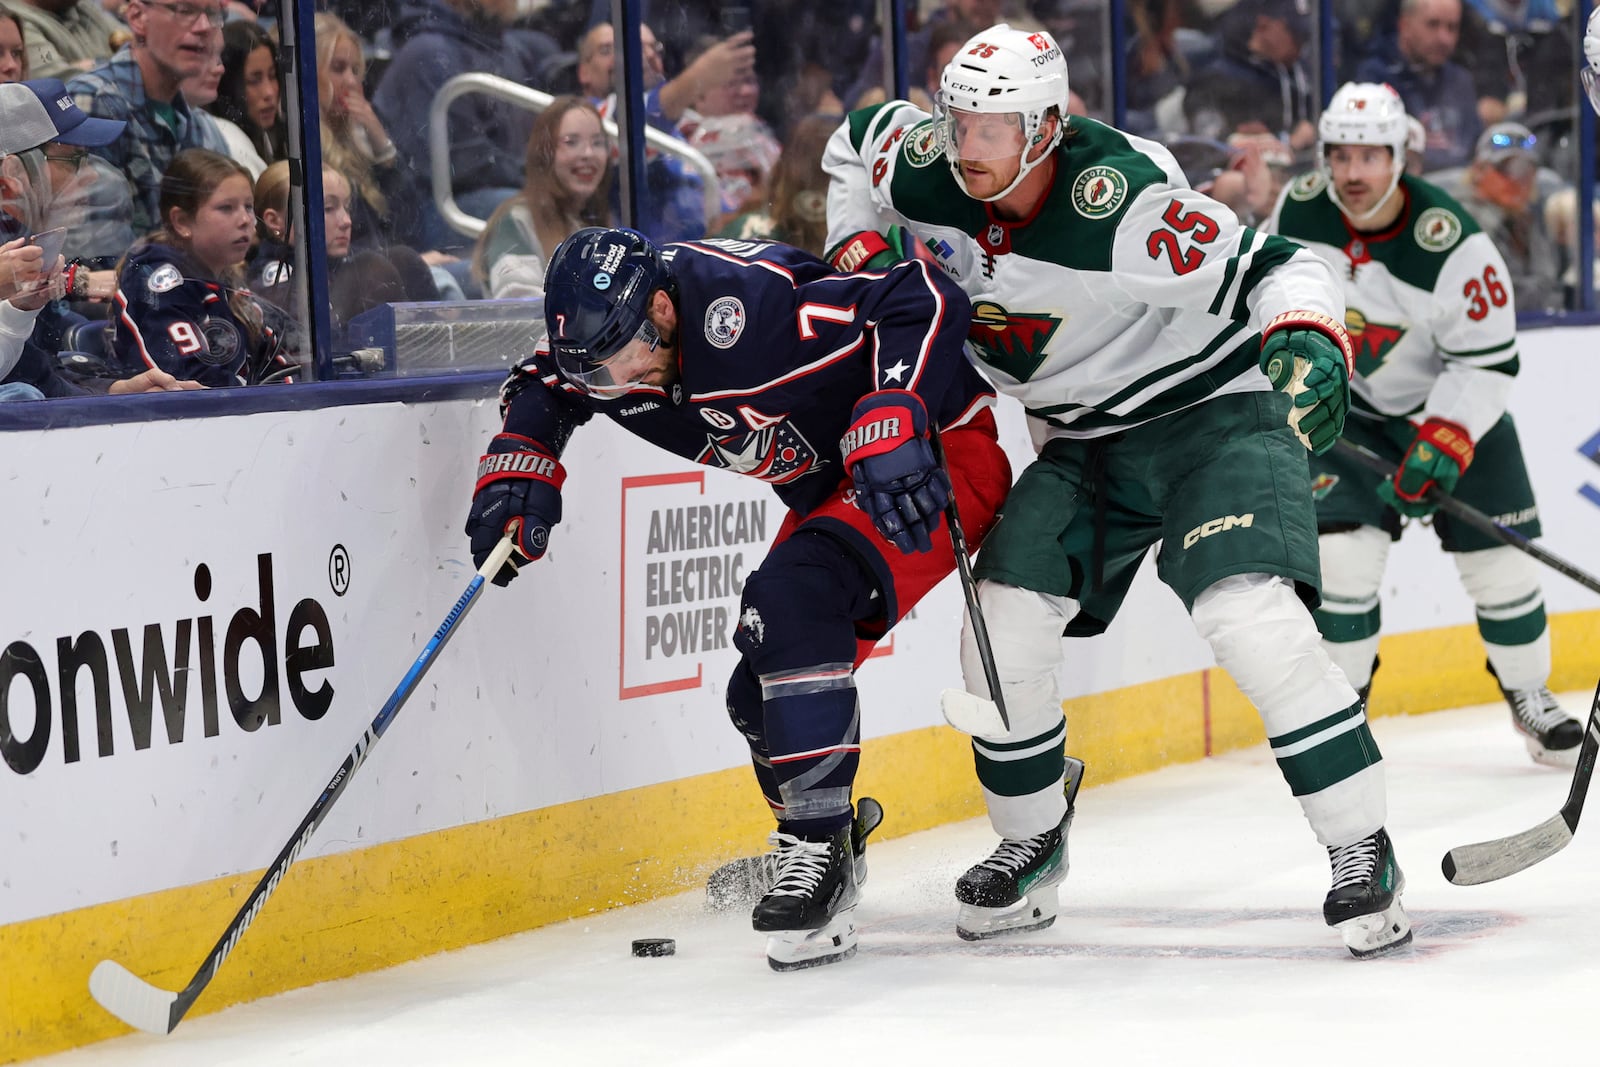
pixel 141 85
pixel 1432 316
pixel 1501 191
pixel 834 388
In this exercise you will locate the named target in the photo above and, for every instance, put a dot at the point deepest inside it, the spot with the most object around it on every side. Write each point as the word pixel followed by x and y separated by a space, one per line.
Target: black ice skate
pixel 1014 890
pixel 809 913
pixel 1364 903
pixel 1552 736
pixel 746 880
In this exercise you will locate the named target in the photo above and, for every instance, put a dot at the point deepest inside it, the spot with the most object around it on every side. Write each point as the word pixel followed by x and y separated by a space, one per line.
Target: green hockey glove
pixel 1308 356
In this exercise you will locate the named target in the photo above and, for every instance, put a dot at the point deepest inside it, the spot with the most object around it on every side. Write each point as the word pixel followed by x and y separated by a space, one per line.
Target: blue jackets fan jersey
pixel 774 350
pixel 171 314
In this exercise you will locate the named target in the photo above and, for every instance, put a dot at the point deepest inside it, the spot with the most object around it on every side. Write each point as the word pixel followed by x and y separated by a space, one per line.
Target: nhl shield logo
pixel 1437 229
pixel 724 321
pixel 1098 192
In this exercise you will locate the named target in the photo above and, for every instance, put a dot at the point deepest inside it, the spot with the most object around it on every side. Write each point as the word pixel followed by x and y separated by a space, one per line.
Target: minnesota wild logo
pixel 1013 342
pixel 923 145
pixel 1437 229
pixel 1099 191
pixel 1308 186
pixel 1371 341
pixel 1322 485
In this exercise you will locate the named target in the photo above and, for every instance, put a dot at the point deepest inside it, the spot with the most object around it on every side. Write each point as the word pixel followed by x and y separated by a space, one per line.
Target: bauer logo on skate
pixel 688 543
pixel 167 690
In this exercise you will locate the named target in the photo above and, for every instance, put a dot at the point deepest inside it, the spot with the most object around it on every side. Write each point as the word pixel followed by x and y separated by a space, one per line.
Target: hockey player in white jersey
pixel 1176 367
pixel 1432 318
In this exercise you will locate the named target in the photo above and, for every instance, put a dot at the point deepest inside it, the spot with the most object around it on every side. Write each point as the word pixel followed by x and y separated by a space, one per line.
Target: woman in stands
pixel 567 187
pixel 249 94
pixel 356 282
pixel 13 48
pixel 180 302
pixel 354 141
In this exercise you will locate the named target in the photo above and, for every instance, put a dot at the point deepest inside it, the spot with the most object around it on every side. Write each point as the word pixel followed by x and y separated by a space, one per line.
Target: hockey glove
pixel 871 250
pixel 898 482
pixel 1438 456
pixel 1308 356
pixel 518 492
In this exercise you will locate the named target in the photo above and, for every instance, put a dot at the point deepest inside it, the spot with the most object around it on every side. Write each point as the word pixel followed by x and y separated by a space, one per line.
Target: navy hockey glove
pixel 518 492
pixel 1438 456
pixel 871 250
pixel 898 482
pixel 1308 356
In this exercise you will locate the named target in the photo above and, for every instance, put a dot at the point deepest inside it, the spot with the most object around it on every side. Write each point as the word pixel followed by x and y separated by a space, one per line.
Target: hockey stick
pixel 1471 516
pixel 1489 860
pixel 968 712
pixel 140 1004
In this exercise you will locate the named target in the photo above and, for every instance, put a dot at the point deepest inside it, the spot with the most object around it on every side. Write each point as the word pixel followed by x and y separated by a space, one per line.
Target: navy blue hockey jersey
pixel 171 314
pixel 774 348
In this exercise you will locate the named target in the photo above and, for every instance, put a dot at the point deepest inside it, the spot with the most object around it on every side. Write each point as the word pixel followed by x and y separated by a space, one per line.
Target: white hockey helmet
pixel 1590 74
pixel 1002 71
pixel 1365 113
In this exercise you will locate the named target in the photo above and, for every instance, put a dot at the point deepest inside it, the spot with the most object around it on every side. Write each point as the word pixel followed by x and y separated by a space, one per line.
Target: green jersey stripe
pixel 1276 253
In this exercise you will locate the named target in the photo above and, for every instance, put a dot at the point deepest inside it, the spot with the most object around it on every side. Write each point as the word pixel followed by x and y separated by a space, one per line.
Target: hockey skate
pixel 1015 889
pixel 1364 903
pixel 1551 735
pixel 809 913
pixel 746 880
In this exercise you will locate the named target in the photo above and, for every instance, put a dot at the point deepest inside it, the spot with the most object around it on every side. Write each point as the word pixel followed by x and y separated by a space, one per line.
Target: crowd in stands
pixel 170 212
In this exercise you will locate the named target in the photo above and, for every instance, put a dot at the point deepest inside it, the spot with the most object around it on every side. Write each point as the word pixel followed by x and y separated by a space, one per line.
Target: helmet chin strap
pixel 1394 183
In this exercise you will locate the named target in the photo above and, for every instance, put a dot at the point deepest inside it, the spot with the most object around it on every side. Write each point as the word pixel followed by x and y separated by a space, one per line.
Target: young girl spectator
pixel 356 282
pixel 13 48
pixel 567 187
pixel 249 93
pixel 180 301
pixel 354 141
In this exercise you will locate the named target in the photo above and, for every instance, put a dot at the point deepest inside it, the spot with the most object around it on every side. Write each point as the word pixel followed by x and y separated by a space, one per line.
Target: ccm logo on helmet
pixel 1216 526
pixel 518 463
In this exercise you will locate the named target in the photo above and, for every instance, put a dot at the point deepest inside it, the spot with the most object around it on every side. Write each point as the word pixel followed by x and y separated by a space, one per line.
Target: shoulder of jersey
pixel 1440 222
pixel 1102 171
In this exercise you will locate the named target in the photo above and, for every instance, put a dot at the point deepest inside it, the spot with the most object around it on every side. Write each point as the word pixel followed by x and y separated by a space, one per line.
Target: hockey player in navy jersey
pixel 759 358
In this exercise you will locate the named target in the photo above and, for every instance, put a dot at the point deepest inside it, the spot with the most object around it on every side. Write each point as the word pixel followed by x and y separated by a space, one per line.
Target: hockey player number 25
pixel 1201 228
pixel 1481 293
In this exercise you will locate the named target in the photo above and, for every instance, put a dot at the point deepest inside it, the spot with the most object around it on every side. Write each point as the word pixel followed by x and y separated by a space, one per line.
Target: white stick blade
pixel 1488 861
pixel 132 999
pixel 972 714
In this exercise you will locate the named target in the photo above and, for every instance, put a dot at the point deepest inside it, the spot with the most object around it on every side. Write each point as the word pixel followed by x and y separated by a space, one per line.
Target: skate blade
pixel 1035 911
pixel 1566 758
pixel 1381 932
pixel 795 950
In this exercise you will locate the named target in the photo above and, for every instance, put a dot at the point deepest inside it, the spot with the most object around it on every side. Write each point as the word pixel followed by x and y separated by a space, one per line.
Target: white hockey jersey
pixel 1430 311
pixel 1125 297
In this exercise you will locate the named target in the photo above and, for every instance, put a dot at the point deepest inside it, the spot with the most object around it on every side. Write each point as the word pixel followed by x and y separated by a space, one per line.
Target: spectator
pixel 67 37
pixel 200 91
pixel 13 48
pixel 725 128
pixel 358 280
pixel 799 204
pixel 249 95
pixel 567 187
pixel 876 72
pixel 181 303
pixel 141 85
pixel 1505 43
pixel 1259 84
pixel 1502 195
pixel 1437 91
pixel 444 38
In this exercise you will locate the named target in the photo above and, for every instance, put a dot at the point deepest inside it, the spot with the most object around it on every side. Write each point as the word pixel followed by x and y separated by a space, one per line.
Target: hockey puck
pixel 655 946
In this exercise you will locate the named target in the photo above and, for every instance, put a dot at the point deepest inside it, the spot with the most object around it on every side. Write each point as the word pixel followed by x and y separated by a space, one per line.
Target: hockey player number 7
pixel 1204 230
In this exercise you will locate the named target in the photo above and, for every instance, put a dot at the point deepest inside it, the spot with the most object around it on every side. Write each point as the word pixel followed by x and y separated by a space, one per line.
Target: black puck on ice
pixel 655 946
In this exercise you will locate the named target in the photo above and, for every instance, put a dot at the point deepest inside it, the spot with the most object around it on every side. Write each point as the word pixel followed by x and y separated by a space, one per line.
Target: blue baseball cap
pixel 35 113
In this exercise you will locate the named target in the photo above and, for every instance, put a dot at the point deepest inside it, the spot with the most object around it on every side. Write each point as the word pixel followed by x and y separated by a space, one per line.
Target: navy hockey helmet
pixel 596 302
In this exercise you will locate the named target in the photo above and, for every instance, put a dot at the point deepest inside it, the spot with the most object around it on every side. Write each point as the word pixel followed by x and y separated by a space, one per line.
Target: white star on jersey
pixel 896 372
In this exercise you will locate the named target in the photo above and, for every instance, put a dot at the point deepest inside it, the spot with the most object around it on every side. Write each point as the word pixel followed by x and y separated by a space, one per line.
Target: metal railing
pixel 532 100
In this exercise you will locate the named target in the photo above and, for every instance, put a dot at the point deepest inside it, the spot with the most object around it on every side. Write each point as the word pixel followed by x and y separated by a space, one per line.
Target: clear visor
pixel 620 372
pixel 980 136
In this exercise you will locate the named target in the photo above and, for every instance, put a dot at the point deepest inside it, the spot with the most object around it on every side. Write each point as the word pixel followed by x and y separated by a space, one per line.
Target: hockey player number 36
pixel 1480 293
pixel 1201 228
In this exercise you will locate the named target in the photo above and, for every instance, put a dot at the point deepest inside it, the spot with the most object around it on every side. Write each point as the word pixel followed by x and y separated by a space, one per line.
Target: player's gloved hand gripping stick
pixel 137 1002
pixel 1308 356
